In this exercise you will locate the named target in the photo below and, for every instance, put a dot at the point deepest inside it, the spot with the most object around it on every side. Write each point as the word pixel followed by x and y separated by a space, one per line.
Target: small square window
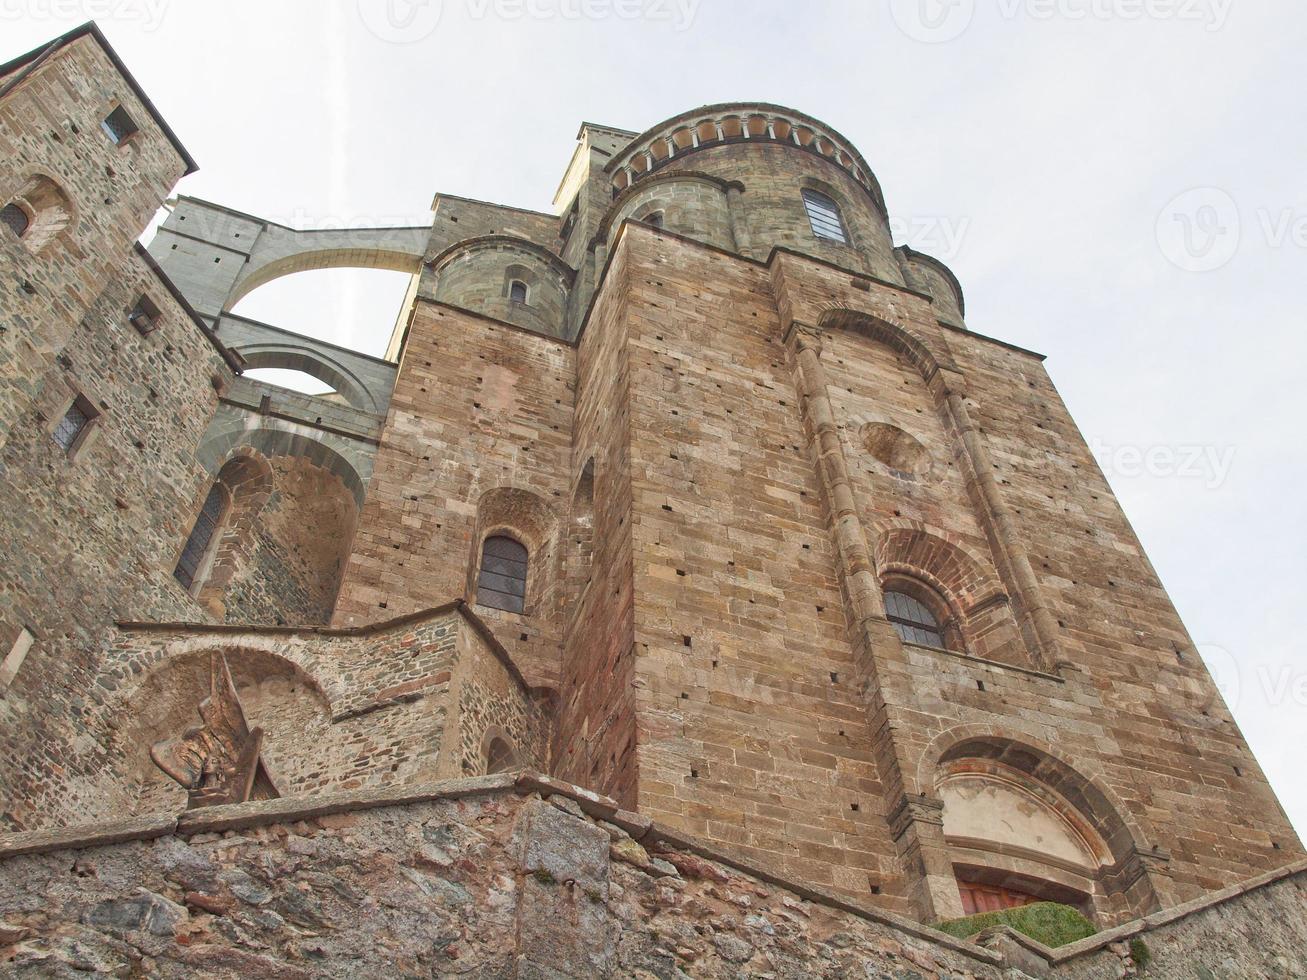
pixel 72 428
pixel 119 126
pixel 144 316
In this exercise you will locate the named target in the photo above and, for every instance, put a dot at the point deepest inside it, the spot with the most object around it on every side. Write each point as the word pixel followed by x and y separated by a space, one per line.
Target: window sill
pixel 988 664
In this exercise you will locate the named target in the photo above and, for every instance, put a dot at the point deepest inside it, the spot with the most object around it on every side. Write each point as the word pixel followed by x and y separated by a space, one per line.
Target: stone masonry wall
pixel 595 732
pixel 517 876
pixel 50 128
pixel 95 537
pixel 752 731
pixel 301 540
pixel 340 710
pixel 478 405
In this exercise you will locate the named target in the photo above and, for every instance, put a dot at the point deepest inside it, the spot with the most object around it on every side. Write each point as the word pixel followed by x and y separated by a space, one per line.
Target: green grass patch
pixel 1046 922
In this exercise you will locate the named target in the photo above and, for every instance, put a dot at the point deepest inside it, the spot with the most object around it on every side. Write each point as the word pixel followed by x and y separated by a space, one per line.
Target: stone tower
pixel 695 492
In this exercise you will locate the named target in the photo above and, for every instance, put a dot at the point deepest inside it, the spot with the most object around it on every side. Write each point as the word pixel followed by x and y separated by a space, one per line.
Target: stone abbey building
pixel 687 592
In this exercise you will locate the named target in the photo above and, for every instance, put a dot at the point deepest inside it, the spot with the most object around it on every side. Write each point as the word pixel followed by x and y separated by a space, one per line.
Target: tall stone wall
pixel 478 406
pixel 751 728
pixel 94 537
pixel 50 133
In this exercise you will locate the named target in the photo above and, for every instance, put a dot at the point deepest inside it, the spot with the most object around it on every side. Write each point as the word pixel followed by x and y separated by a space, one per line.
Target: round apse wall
pixel 895 448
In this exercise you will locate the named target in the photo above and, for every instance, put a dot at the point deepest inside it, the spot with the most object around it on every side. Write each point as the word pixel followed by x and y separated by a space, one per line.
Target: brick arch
pixel 943 559
pixel 526 517
pixel 1081 786
pixel 272 439
pixel 927 362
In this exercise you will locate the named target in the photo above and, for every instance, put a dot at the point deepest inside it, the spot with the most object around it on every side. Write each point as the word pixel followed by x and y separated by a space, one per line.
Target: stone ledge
pixel 84 835
pixel 241 816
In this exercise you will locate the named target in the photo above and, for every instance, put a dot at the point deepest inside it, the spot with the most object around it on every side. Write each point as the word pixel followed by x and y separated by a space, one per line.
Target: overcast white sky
pixel 1119 184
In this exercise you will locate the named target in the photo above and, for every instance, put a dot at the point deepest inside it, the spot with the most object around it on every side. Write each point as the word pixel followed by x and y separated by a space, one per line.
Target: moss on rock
pixel 1046 922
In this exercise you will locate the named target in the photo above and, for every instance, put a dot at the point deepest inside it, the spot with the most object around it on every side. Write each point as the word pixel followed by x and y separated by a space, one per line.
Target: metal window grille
pixel 197 545
pixel 118 125
pixel 913 621
pixel 824 216
pixel 502 581
pixel 517 291
pixel 71 426
pixel 15 218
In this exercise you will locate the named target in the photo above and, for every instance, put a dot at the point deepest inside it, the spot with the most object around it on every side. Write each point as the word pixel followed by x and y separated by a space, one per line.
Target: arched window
pixel 197 545
pixel 824 216
pixel 15 218
pixel 517 291
pixel 38 212
pixel 654 218
pixel 500 756
pixel 502 581
pixel 913 621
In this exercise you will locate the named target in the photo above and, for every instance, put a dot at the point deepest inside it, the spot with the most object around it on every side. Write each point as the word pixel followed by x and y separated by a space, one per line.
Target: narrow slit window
pixel 824 216
pixel 197 545
pixel 119 126
pixel 517 291
pixel 68 433
pixel 502 581
pixel 15 219
pixel 913 621
pixel 144 316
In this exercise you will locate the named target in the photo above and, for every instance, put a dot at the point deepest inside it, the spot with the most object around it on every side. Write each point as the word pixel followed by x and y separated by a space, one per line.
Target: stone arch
pixel 247 478
pixel 278 691
pixel 272 439
pixel 499 753
pixel 1112 871
pixel 315 364
pixel 525 517
pixel 927 362
pixel 282 554
pixel 975 611
pixel 284 252
pixel 47 207
pixel 950 564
